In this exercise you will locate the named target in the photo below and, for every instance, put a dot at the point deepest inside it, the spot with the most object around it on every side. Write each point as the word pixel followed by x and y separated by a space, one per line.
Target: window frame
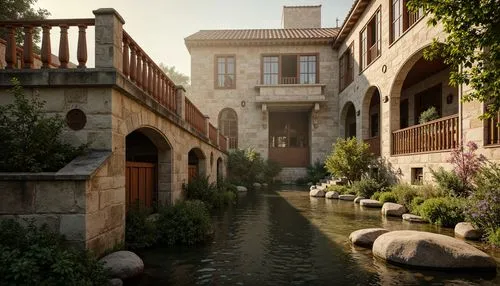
pixel 216 71
pixel 298 72
pixel 405 26
pixel 378 32
pixel 223 128
pixel 349 70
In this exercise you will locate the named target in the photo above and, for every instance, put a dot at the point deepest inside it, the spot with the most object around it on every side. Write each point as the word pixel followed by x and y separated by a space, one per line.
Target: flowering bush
pixel 483 207
pixel 466 162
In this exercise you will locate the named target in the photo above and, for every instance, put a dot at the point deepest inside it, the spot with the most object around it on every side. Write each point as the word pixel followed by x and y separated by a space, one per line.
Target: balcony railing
pixel 212 134
pixel 223 142
pixel 195 117
pixel 374 144
pixel 436 135
pixel 493 130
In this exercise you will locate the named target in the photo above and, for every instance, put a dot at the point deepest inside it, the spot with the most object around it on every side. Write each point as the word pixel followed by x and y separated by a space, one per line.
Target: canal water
pixel 287 238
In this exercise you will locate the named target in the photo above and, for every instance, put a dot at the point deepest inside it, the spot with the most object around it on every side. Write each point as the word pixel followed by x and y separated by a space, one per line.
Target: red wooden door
pixel 140 183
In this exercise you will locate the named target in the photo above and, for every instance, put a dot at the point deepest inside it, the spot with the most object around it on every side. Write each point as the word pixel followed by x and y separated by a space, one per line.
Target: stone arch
pixel 371 119
pixel 348 120
pixel 228 126
pixel 147 149
pixel 196 163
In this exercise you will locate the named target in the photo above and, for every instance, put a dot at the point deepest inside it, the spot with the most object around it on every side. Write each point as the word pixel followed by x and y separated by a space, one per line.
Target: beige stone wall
pixel 301 17
pixel 398 58
pixel 252 122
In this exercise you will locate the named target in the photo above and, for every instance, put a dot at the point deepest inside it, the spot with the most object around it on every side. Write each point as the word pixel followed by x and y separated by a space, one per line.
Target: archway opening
pixel 228 126
pixel 348 118
pixel 371 120
pixel 424 107
pixel 220 170
pixel 148 168
pixel 196 164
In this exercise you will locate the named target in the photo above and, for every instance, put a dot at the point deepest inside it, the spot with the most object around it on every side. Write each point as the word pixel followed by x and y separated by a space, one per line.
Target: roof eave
pixel 352 18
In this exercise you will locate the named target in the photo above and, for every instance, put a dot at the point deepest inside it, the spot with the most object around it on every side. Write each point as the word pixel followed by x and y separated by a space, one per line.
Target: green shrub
pixel 483 206
pixel 30 140
pixel 428 115
pixel 343 190
pixel 494 237
pixel 428 191
pixel 404 194
pixel 316 172
pixel 140 232
pixel 381 171
pixel 366 187
pixel 387 197
pixel 36 256
pixel 415 205
pixel 186 223
pixel 246 167
pixel 270 170
pixel 214 195
pixel 446 211
pixel 449 182
pixel 349 158
pixel 376 195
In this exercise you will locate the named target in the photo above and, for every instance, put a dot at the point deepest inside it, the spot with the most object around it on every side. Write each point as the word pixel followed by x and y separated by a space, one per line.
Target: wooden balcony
pixel 436 135
pixel 374 144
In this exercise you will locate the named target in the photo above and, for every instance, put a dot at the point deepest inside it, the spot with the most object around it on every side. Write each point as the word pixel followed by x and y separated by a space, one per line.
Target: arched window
pixel 228 126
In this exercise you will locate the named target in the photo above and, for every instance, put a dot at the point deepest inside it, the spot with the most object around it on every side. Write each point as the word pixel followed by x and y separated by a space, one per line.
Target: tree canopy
pixel 21 9
pixel 471 47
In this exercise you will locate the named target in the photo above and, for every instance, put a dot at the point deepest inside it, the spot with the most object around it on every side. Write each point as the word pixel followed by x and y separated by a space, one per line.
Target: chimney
pixel 301 17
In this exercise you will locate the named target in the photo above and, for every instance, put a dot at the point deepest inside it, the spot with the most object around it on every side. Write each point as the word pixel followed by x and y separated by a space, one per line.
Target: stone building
pixel 291 92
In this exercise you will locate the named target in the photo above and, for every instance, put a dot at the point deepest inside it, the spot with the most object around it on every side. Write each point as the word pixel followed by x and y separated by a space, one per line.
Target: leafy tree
pixel 472 46
pixel 349 158
pixel 176 76
pixel 21 9
pixel 30 140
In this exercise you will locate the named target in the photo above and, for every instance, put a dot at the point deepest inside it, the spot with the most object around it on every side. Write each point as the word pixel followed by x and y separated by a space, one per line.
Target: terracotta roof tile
pixel 264 34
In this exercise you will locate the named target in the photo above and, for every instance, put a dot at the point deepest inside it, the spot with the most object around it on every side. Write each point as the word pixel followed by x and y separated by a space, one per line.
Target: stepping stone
pixel 317 193
pixel 393 209
pixel 347 197
pixel 332 195
pixel 466 230
pixel 414 218
pixel 370 203
pixel 358 199
pixel 366 237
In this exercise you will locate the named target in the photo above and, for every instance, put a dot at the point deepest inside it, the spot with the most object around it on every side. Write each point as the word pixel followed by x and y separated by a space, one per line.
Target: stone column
pixel 179 99
pixel 108 38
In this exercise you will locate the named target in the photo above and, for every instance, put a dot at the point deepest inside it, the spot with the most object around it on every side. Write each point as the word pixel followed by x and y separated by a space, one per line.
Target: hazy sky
pixel 160 26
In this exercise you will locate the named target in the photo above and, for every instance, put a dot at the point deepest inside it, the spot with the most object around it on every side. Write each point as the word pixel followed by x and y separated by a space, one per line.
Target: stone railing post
pixel 108 38
pixel 179 99
pixel 207 125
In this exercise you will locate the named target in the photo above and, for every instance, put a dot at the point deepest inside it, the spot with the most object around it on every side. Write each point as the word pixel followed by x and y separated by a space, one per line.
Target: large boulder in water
pixel 123 264
pixel 348 197
pixel 370 203
pixel 414 218
pixel 317 193
pixel 393 209
pixel 241 189
pixel 358 199
pixel 430 250
pixel 366 237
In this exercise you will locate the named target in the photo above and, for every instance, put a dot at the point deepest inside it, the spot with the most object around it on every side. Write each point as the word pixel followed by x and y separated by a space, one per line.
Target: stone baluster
pixel 132 63
pixel 144 73
pixel 10 53
pixel 126 66
pixel 63 47
pixel 139 70
pixel 81 52
pixel 28 58
pixel 46 48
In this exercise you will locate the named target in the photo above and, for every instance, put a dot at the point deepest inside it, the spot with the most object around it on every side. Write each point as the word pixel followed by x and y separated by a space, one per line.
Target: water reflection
pixel 288 238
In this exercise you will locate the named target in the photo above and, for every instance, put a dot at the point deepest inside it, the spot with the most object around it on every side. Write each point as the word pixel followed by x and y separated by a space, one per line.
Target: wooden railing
pixel 146 74
pixel 195 117
pixel 436 135
pixel 28 55
pixel 493 130
pixel 413 17
pixel 374 144
pixel 288 80
pixel 212 134
pixel 222 142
